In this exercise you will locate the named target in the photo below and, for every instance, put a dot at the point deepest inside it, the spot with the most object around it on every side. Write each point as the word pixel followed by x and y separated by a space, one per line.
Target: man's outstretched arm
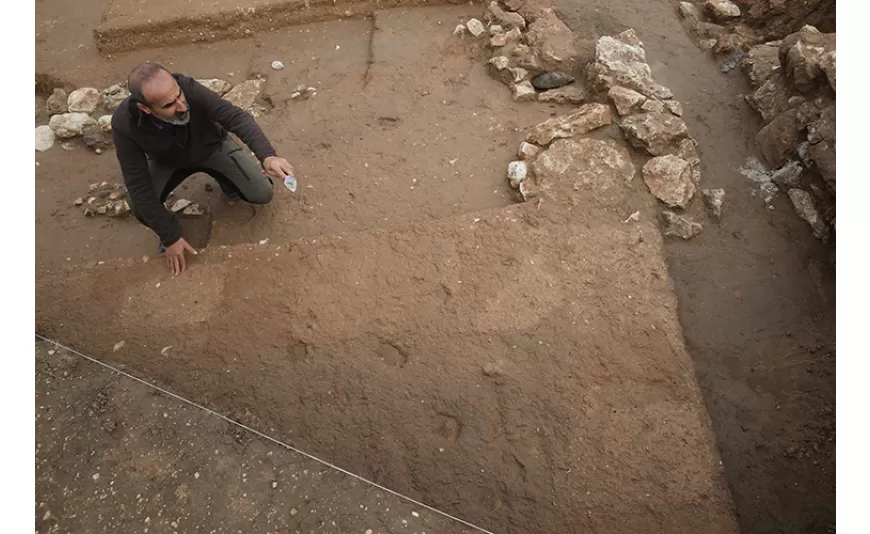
pixel 146 202
pixel 241 123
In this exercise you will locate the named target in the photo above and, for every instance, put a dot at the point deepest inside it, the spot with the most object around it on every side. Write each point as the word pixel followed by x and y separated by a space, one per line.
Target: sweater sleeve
pixel 143 197
pixel 230 117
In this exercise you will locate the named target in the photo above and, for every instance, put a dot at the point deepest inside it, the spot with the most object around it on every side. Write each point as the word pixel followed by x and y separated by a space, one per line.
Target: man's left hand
pixel 278 167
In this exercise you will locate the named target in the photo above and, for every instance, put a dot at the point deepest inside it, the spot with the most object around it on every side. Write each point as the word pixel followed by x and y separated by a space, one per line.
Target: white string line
pixel 262 435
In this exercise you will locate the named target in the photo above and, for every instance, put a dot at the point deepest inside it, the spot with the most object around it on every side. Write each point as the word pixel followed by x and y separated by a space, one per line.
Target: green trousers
pixel 238 174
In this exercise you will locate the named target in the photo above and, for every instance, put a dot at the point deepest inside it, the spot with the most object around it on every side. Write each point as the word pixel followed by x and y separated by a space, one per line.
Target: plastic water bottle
pixel 290 183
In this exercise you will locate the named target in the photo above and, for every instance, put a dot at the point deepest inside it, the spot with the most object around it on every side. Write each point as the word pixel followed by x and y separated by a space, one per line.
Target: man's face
pixel 165 99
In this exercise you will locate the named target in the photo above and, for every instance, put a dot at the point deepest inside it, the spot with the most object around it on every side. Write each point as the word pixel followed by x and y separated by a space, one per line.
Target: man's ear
pixel 143 107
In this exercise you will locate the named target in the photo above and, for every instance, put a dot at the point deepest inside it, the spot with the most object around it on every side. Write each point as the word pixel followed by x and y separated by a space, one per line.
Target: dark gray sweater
pixel 135 134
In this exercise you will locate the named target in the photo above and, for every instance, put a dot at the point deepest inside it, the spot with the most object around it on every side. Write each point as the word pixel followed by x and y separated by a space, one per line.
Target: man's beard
pixel 179 119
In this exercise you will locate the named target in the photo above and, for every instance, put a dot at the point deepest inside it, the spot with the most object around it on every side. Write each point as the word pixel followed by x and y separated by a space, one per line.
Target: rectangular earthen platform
pixel 134 24
pixel 522 368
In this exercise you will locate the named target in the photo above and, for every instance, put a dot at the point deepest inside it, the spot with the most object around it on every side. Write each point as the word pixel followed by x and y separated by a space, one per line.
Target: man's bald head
pixel 140 76
pixel 156 92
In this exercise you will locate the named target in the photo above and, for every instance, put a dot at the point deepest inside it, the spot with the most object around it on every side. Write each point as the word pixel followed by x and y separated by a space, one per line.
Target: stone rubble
pixel 514 36
pixel 528 191
pixel 245 94
pixel 653 106
pixel 498 40
pixel 690 11
pixel 303 93
pixel 528 151
pixel 523 56
pixel 669 179
pixel 680 226
pixel 105 123
pixel 475 27
pixel 553 43
pixel 674 107
pixel 180 204
pixel 554 160
pixel 756 172
pixel 221 87
pixel 587 118
pixel 828 64
pixel 621 60
pixel 761 62
pixel 517 172
pixel 789 175
pixel 714 199
pixel 570 94
pixel 505 18
pixel 500 69
pixel 805 207
pixel 104 199
pixel 722 9
pixel 194 210
pixel 96 138
pixel 523 91
pixel 626 101
pixel 539 48
pixel 657 133
pixel 793 80
pixel 75 114
pixel 708 31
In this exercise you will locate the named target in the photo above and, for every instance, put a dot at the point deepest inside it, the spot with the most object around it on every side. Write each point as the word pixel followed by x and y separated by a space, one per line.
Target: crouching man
pixel 171 127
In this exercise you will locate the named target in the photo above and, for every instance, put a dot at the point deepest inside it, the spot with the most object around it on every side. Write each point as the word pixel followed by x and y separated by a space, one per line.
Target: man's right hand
pixel 175 256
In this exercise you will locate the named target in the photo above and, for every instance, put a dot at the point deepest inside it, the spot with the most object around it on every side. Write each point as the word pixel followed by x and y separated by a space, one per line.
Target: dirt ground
pixel 113 455
pixel 756 298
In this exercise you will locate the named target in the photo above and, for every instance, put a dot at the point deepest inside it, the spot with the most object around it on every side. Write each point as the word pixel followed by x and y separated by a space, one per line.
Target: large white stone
pixel 114 96
pixel 585 169
pixel 621 60
pixel 587 118
pixel 220 87
pixel 84 100
pixel 68 125
pixel 44 138
pixel 245 94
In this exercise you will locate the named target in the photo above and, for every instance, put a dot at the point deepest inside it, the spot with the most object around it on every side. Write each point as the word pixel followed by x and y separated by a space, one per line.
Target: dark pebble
pixel 551 80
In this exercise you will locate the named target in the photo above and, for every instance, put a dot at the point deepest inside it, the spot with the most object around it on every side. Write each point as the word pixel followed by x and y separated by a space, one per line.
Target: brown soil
pixel 755 294
pixel 159 462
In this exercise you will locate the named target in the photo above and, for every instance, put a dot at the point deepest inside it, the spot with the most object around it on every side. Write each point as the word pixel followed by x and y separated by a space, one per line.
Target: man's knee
pixel 262 194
